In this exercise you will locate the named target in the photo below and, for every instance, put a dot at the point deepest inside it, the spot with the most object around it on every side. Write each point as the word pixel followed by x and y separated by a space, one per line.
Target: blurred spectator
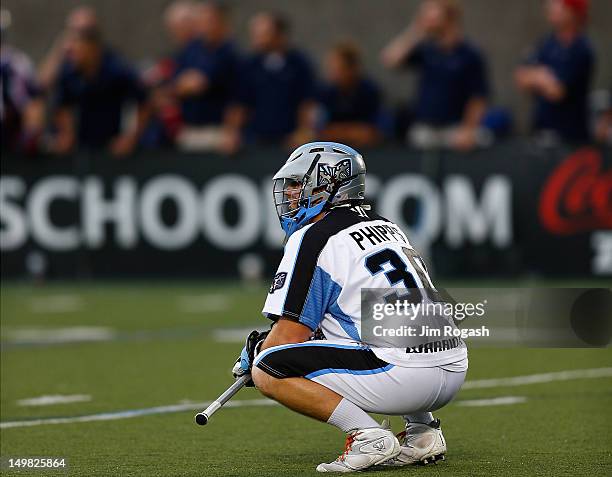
pixel 179 22
pixel 351 102
pixel 92 90
pixel 559 73
pixel 21 109
pixel 276 91
pixel 81 18
pixel 205 78
pixel 165 121
pixel 453 86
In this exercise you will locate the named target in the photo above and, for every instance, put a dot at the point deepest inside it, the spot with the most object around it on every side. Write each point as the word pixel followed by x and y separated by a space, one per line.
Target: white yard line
pixel 50 399
pixel 498 401
pixel 21 336
pixel 113 416
pixel 56 304
pixel 475 384
pixel 233 335
pixel 539 378
pixel 203 303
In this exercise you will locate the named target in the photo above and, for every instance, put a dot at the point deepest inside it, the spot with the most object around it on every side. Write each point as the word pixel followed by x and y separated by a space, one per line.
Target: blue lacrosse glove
pixel 244 363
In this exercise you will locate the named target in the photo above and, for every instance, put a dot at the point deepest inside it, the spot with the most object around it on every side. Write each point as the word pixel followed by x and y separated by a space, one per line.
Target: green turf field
pixel 154 345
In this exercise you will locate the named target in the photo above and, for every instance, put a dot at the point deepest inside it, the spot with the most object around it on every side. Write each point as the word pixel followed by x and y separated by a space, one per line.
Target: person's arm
pixel 237 113
pixel 523 78
pixel 286 331
pixel 555 85
pixel 534 76
pixel 285 303
pixel 465 136
pixel 292 297
pixel 548 85
pixel 48 70
pixel 127 141
pixel 134 92
pixel 33 125
pixel 191 82
pixel 474 112
pixel 400 48
pixel 540 80
pixel 65 137
pixel 234 119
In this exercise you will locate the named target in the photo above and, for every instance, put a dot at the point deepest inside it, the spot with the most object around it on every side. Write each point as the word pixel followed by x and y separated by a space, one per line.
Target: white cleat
pixel 364 448
pixel 420 444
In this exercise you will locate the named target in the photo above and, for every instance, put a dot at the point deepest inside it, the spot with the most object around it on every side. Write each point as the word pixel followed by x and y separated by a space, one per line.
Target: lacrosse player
pixel 313 360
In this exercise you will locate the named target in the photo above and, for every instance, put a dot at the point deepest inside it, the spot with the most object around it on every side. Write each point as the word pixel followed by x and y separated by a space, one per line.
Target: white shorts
pixel 357 374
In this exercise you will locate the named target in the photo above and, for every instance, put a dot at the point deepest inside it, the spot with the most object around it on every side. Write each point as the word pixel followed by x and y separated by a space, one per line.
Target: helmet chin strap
pixel 303 216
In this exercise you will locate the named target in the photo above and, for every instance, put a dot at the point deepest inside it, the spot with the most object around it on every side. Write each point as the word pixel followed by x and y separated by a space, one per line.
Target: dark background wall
pixel 504 30
pixel 496 212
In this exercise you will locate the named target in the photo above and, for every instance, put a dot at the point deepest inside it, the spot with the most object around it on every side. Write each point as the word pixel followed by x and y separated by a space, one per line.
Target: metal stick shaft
pixel 203 417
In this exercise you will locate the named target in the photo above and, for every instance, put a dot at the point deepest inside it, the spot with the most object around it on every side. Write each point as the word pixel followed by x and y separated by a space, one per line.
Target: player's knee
pixel 263 381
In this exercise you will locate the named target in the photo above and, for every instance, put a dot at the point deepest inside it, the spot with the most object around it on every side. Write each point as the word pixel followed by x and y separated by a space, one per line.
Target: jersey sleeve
pixel 277 295
pixel 301 290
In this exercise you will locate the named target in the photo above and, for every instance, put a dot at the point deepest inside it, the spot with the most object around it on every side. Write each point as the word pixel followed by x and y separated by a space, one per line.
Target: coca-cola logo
pixel 577 196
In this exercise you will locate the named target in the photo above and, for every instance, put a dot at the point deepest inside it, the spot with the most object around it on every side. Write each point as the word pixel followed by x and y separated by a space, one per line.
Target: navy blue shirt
pixel 273 87
pixel 448 80
pixel 573 66
pixel 219 64
pixel 19 87
pixel 361 104
pixel 99 100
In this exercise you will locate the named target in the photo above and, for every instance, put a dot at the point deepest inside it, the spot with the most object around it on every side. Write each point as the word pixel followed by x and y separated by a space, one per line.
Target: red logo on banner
pixel 577 197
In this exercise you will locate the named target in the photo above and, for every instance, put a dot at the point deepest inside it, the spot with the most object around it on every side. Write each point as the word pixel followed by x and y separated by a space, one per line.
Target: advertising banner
pixel 508 210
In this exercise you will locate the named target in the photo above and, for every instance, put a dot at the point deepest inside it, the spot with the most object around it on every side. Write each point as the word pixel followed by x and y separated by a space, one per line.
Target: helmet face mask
pixel 287 194
pixel 294 206
pixel 316 177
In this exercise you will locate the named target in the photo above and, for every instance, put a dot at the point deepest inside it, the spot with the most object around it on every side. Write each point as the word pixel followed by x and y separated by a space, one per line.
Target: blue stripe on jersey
pixel 266 352
pixel 323 298
pixel 345 321
pixel 348 371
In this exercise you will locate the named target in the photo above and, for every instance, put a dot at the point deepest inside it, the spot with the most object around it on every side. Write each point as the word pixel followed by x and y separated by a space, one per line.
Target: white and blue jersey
pixel 326 265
